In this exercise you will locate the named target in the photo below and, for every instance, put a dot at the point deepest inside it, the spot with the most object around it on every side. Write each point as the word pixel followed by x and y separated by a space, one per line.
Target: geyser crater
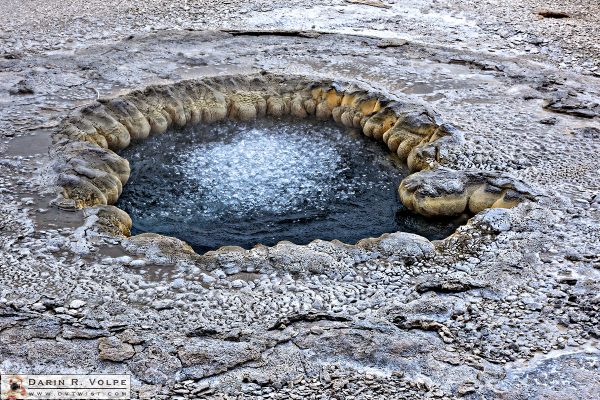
pixel 90 174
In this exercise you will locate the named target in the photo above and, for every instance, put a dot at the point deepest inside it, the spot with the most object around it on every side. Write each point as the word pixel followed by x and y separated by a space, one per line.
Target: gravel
pixel 506 307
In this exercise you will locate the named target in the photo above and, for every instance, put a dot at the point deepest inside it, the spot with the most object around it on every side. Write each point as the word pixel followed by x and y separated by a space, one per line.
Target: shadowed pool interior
pixel 245 183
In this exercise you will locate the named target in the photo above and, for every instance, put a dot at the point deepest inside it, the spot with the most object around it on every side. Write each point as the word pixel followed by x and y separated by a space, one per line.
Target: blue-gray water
pixel 235 183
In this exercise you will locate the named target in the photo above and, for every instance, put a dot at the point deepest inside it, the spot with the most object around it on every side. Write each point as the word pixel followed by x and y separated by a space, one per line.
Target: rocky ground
pixel 506 308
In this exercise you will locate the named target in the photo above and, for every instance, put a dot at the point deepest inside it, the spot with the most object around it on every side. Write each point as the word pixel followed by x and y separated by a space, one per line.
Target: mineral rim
pixel 507 307
pixel 90 173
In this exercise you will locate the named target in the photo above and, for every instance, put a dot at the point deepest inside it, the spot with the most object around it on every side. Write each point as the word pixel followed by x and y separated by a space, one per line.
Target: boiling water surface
pixel 243 183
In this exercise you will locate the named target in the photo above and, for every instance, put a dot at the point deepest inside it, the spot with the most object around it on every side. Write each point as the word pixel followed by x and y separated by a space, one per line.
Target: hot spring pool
pixel 244 183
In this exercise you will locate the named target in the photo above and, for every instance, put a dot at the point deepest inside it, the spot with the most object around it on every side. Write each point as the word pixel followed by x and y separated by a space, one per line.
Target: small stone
pixel 137 263
pixel 465 389
pixel 317 330
pixel 112 349
pixel 547 13
pixel 232 269
pixel 549 121
pixel 384 44
pixel 200 387
pixel 122 260
pixel 21 88
pixel 77 304
pixel 70 332
pixel 207 279
pixel 38 307
pixel 405 244
pixel 178 283
pixel 238 284
pixel 162 304
pixel 131 337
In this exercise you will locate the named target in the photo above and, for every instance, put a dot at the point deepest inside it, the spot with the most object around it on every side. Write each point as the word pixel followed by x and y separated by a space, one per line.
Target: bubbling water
pixel 271 172
pixel 243 183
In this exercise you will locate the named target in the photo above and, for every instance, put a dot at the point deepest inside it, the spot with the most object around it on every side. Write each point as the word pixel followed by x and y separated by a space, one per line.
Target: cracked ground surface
pixel 506 308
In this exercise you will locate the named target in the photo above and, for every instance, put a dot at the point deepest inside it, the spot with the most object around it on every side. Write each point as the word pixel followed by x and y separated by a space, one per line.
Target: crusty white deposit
pixel 507 308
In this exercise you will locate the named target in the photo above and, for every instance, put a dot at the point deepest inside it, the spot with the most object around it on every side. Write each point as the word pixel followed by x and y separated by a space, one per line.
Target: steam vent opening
pixel 268 180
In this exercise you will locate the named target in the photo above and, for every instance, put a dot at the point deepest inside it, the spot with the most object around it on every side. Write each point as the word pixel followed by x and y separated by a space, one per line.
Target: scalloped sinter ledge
pixel 90 173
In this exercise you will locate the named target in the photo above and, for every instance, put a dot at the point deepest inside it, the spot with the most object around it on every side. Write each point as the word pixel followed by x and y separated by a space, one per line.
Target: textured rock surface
pixel 506 308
